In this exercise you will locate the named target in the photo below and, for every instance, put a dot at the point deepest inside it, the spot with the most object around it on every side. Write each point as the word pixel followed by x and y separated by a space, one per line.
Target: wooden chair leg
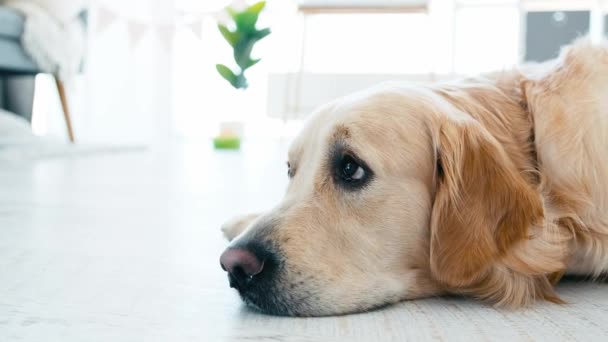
pixel 66 110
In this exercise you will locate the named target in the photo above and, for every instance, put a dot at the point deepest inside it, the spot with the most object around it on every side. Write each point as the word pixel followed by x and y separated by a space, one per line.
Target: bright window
pixel 452 37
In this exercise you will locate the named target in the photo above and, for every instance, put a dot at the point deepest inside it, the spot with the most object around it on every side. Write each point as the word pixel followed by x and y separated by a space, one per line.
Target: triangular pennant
pixel 136 32
pixel 165 35
pixel 105 18
pixel 196 28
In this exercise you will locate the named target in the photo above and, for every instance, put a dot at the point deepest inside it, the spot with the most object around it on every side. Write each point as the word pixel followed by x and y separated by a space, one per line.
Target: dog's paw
pixel 237 225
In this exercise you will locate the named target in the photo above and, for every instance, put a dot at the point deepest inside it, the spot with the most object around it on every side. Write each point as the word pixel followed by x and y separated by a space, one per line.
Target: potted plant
pixel 241 33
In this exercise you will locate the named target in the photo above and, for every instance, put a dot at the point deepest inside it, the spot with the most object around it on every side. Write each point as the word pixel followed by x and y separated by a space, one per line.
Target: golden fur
pixel 492 187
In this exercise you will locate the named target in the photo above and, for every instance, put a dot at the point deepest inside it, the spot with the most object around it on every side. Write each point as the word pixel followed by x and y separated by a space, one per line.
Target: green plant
pixel 242 36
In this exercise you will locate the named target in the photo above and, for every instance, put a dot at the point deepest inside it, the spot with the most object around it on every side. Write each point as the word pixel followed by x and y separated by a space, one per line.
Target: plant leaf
pixel 242 39
pixel 231 11
pixel 245 22
pixel 259 34
pixel 227 74
pixel 231 37
pixel 242 52
pixel 257 7
pixel 252 62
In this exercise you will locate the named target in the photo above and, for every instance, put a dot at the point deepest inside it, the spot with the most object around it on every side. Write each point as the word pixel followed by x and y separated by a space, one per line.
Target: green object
pixel 242 36
pixel 227 143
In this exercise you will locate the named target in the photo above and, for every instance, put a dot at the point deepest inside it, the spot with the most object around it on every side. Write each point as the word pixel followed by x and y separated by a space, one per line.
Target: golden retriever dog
pixel 492 187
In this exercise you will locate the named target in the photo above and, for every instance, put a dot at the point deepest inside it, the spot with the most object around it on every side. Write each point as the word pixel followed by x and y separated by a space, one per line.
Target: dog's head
pixel 394 193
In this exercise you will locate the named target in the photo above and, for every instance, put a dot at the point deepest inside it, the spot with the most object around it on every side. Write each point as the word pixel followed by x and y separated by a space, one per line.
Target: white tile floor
pixel 125 247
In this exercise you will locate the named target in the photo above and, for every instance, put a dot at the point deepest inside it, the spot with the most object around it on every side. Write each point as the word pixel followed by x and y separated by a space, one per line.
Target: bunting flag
pixel 165 34
pixel 196 27
pixel 136 31
pixel 137 28
pixel 105 18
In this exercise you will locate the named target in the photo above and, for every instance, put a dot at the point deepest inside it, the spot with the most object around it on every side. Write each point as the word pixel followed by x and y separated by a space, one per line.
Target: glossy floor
pixel 124 247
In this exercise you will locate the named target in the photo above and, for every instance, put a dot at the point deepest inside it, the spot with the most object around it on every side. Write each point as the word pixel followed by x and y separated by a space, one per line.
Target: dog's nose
pixel 239 258
pixel 242 265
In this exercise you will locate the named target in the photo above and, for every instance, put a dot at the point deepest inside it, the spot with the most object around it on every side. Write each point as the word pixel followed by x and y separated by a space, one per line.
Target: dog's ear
pixel 482 205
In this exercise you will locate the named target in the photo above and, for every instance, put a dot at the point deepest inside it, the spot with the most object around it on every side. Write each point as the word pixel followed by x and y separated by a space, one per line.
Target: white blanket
pixel 18 143
pixel 14 130
pixel 55 39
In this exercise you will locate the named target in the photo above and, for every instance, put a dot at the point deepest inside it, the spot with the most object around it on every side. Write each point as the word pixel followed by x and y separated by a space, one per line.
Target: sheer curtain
pixel 124 93
pixel 128 84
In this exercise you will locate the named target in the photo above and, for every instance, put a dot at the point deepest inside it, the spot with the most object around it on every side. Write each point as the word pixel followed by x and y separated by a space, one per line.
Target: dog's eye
pixel 349 170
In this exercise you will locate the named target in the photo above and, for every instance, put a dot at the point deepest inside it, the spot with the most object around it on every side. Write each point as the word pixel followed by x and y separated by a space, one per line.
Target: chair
pixel 15 62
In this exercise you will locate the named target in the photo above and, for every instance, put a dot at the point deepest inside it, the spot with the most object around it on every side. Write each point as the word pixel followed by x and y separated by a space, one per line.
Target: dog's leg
pixel 237 225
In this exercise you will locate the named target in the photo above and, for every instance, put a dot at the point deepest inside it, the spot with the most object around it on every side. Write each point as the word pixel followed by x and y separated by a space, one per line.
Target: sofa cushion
pixel 11 23
pixel 13 59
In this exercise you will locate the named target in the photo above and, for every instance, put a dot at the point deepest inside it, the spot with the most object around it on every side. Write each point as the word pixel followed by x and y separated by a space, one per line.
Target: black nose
pixel 242 265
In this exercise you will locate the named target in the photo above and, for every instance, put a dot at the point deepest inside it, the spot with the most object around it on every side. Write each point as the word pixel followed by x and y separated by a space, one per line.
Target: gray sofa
pixel 13 59
pixel 18 70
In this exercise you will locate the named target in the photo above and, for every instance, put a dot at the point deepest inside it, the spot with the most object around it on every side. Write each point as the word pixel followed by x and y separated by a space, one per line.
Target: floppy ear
pixel 482 205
